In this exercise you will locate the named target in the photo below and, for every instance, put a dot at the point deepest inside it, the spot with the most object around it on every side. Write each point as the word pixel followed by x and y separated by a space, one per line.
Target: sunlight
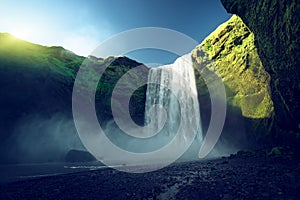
pixel 22 33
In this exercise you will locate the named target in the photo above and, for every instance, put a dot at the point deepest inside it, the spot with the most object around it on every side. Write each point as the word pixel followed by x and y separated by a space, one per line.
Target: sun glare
pixel 23 34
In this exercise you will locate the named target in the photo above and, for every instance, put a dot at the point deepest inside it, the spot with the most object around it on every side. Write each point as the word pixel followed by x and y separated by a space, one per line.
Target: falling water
pixel 165 83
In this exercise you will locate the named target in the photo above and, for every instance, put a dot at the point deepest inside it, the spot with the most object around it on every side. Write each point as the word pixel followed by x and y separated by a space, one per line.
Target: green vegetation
pixel 16 52
pixel 38 79
pixel 230 53
pixel 276 26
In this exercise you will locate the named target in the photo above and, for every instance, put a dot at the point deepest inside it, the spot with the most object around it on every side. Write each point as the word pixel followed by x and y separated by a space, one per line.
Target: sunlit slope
pixel 32 76
pixel 37 81
pixel 230 52
pixel 22 54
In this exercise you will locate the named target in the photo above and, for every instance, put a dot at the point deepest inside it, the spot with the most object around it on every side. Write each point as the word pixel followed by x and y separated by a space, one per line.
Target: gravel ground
pixel 224 178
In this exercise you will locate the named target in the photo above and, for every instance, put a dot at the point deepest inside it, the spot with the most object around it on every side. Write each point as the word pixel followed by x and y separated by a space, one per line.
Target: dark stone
pixel 245 154
pixel 79 156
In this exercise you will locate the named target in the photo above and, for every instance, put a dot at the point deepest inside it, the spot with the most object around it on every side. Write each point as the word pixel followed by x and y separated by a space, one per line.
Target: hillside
pixel 36 84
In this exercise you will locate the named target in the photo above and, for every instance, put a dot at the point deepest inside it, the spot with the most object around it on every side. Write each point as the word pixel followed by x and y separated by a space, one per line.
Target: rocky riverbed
pixel 242 176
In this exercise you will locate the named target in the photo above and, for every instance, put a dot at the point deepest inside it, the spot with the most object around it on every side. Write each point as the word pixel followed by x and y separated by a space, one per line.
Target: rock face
pixel 116 69
pixel 230 53
pixel 276 26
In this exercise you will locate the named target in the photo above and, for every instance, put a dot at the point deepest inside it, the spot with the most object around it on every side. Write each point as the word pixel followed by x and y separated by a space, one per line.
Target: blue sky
pixel 81 25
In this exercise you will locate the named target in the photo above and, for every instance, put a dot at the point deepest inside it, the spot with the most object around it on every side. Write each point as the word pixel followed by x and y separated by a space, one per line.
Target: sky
pixel 82 25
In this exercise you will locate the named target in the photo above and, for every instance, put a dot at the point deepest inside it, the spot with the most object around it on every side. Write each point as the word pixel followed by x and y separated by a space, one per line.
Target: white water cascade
pixel 174 88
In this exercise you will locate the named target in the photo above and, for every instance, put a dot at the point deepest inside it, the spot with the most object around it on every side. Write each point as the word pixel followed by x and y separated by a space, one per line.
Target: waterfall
pixel 174 88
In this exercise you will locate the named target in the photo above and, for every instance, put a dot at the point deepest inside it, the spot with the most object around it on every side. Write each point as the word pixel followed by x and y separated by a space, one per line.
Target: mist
pixel 39 139
pixel 224 147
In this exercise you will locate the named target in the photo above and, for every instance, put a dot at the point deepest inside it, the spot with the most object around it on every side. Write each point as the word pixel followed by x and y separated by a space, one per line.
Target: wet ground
pixel 224 178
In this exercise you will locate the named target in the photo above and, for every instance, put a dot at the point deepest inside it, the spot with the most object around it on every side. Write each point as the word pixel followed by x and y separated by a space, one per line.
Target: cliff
pixel 276 26
pixel 230 53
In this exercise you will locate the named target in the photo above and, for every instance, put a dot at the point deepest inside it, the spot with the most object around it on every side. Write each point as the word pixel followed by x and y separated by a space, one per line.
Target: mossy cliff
pixel 116 68
pixel 276 26
pixel 230 53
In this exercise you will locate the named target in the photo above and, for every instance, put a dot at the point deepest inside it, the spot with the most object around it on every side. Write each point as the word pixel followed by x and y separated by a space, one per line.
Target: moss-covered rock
pixel 118 67
pixel 230 53
pixel 276 25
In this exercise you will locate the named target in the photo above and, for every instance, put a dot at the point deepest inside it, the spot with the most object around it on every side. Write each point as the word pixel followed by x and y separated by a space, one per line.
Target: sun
pixel 24 34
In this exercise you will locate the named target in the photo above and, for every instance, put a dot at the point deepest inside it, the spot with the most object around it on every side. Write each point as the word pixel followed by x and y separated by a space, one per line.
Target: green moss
pixel 276 25
pixel 280 152
pixel 16 52
pixel 275 152
pixel 230 52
